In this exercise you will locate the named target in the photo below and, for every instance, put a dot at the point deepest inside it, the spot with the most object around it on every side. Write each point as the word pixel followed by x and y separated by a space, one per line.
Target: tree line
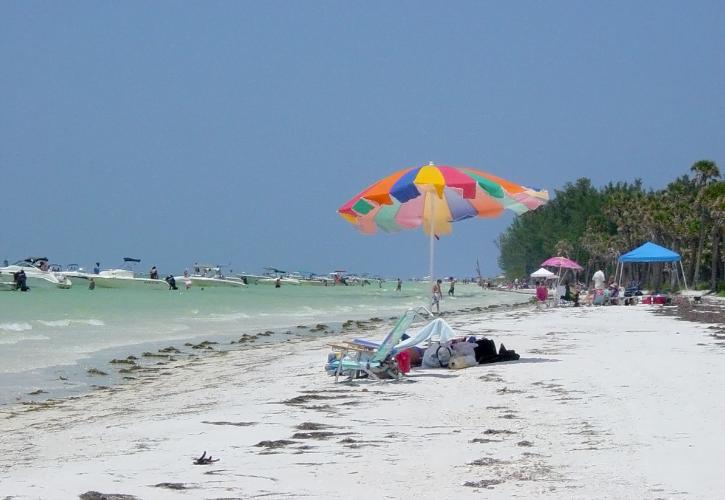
pixel 595 226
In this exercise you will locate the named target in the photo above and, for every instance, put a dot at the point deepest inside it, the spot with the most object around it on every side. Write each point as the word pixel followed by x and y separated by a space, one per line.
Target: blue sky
pixel 230 132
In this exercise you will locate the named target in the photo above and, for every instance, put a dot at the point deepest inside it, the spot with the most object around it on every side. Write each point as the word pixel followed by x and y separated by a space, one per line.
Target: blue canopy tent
pixel 650 252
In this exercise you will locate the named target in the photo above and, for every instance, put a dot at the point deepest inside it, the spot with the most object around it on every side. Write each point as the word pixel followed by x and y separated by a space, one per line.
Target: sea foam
pixel 62 323
pixel 16 327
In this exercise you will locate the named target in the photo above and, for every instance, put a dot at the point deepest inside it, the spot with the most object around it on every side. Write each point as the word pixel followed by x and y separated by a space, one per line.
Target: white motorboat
pixel 283 280
pixel 208 276
pixel 272 277
pixel 126 278
pixel 76 274
pixel 37 273
pixel 310 279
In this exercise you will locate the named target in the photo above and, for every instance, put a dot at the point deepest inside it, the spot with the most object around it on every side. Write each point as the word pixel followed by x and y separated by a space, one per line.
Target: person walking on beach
pixel 399 286
pixel 437 296
pixel 542 294
pixel 452 288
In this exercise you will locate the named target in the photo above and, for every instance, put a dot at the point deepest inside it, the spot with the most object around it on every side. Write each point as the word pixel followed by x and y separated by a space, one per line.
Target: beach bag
pixel 463 348
pixel 464 355
pixel 458 362
pixel 437 356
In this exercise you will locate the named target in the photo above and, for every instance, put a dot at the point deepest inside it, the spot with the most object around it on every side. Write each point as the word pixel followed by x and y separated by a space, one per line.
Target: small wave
pixel 62 323
pixel 221 318
pixel 15 327
pixel 55 323
pixel 307 310
pixel 9 339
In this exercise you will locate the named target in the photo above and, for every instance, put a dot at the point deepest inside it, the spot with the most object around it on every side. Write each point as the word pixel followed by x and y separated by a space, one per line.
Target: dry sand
pixel 614 402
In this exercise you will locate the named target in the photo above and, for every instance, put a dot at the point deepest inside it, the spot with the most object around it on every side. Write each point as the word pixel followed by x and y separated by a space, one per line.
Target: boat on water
pixel 271 277
pixel 37 272
pixel 208 276
pixel 124 277
pixel 310 279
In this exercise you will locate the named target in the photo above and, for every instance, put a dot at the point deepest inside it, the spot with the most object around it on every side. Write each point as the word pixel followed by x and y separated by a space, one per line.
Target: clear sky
pixel 230 132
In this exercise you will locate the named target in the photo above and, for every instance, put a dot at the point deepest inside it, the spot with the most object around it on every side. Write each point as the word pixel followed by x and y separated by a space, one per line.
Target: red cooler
pixel 403 359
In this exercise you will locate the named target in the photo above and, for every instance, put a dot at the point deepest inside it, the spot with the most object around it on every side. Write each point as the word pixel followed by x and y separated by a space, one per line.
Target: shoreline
pixel 593 408
pixel 116 367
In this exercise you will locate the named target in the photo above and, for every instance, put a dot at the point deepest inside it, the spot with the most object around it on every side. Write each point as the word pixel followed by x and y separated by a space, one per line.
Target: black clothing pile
pixel 486 352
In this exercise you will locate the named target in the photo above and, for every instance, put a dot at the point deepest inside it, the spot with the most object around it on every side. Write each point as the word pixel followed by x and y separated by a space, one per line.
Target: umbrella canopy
pixel 563 263
pixel 543 274
pixel 435 196
pixel 650 252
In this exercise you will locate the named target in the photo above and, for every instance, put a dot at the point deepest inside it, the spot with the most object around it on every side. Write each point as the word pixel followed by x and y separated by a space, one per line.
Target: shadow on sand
pixel 529 360
pixel 430 375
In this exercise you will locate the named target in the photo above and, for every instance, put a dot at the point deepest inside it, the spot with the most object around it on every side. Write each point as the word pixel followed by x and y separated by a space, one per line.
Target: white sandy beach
pixel 612 402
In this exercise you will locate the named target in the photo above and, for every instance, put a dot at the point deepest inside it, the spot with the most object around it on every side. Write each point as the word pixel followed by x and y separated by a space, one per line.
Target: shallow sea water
pixel 50 338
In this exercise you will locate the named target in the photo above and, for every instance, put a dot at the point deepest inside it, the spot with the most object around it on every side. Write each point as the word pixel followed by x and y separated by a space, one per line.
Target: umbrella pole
pixel 432 236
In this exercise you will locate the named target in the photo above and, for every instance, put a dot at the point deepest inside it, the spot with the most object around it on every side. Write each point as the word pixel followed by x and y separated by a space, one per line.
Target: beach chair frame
pixel 377 357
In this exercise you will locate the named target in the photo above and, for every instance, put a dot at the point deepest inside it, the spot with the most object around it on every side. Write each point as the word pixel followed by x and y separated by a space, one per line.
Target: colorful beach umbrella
pixel 435 196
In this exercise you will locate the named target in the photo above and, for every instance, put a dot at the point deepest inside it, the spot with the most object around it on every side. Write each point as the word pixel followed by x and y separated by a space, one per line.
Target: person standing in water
pixel 278 282
pixel 92 284
pixel 437 295
pixel 399 286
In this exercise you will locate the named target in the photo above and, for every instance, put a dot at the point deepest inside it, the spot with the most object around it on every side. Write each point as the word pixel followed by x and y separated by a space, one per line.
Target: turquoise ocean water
pixel 49 338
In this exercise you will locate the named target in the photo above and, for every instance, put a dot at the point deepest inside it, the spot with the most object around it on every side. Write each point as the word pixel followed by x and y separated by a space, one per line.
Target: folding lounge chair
pixel 374 359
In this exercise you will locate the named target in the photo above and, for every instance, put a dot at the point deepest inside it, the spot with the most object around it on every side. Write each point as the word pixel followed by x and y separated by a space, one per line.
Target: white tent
pixel 543 274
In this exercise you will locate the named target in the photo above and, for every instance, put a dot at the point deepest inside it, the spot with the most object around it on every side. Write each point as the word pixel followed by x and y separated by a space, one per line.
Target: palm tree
pixel 704 171
pixel 713 197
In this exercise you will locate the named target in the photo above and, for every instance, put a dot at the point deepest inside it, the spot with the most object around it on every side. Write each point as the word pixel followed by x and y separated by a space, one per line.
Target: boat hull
pixel 140 283
pixel 201 282
pixel 37 278
pixel 282 282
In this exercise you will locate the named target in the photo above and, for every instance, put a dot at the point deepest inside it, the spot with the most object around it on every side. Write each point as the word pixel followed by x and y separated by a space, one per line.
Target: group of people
pixel 600 293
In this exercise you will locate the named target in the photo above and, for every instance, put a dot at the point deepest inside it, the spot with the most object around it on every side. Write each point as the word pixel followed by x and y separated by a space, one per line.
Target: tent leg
pixel 616 273
pixel 684 279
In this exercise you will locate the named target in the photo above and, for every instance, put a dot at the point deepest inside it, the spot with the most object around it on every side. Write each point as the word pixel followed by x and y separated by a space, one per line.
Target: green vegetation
pixel 594 226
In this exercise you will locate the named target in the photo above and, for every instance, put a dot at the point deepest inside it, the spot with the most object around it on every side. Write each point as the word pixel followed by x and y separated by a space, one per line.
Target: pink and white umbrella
pixel 563 263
